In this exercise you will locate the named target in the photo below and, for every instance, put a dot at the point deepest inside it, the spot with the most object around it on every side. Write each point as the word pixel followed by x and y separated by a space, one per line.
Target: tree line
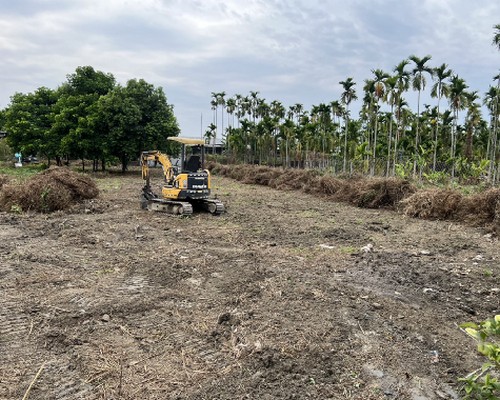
pixel 90 117
pixel 450 136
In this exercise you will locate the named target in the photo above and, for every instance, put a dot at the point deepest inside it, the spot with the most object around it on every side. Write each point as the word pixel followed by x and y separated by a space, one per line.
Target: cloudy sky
pixel 293 51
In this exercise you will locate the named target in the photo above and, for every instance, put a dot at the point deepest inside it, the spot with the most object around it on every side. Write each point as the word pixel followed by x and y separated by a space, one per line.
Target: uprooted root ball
pixel 51 190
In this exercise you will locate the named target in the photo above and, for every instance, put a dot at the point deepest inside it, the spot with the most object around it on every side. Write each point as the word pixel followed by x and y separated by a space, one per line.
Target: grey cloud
pixel 293 51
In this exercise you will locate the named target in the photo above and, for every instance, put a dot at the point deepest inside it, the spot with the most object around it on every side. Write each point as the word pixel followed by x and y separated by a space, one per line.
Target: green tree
pixel 391 98
pixel 76 104
pixel 492 101
pixel 120 116
pixel 418 84
pixel 230 110
pixel 472 121
pixel 2 119
pixel 457 101
pixel 440 89
pixel 215 108
pixel 28 119
pixel 379 89
pixel 210 133
pixel 402 85
pixel 136 118
pixel 347 96
pixel 496 36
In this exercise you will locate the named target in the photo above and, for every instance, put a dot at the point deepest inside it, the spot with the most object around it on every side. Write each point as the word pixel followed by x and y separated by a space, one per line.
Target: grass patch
pixel 109 184
pixel 23 172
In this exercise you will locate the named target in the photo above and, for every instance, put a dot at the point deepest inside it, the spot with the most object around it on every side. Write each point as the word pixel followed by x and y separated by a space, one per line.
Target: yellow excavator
pixel 186 187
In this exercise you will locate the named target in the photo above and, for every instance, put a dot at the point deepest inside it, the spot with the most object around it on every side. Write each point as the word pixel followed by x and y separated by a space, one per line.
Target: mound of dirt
pixel 51 190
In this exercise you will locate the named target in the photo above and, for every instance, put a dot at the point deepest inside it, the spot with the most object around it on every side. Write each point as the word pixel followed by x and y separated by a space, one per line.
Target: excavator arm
pixel 168 169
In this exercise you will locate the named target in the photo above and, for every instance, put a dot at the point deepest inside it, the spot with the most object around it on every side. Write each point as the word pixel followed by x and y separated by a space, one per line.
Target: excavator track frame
pixel 213 206
pixel 170 206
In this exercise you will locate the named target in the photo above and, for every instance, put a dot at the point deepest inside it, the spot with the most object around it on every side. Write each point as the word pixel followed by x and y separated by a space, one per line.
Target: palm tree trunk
pixel 468 144
pixel 416 136
pixel 345 144
pixel 434 156
pixel 389 144
pixel 375 134
pixel 494 141
pixel 453 144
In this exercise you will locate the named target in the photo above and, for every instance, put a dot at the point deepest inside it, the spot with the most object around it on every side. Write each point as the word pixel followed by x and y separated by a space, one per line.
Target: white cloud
pixel 286 50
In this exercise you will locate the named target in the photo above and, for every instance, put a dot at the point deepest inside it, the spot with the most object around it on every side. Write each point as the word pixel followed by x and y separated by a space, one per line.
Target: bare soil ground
pixel 279 298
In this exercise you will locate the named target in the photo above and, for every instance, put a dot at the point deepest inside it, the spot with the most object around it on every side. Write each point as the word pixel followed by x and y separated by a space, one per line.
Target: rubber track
pixel 170 206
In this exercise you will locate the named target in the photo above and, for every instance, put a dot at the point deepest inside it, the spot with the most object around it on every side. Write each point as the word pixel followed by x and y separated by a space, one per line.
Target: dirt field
pixel 285 296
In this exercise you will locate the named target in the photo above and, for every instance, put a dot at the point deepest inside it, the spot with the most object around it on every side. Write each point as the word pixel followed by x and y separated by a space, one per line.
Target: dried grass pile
pixel 296 179
pixel 360 191
pixel 433 204
pixel 378 192
pixel 482 208
pixel 446 204
pixel 4 179
pixel 51 190
pixel 261 175
pixel 392 193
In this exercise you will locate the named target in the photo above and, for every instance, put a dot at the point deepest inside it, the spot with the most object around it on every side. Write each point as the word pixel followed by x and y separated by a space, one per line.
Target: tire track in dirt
pixel 60 379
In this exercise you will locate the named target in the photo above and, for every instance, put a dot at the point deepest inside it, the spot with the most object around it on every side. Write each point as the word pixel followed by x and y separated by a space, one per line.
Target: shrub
pixel 484 383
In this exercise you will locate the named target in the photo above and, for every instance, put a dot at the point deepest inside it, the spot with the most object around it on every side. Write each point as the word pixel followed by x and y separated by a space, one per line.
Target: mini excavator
pixel 186 186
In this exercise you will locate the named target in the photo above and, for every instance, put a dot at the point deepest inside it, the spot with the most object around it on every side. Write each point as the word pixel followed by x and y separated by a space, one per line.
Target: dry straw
pixel 51 190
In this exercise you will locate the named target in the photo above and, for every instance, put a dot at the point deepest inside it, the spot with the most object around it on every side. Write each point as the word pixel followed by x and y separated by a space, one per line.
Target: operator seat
pixel 193 164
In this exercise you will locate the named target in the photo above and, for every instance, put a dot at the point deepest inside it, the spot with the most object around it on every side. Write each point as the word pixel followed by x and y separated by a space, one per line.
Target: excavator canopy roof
pixel 187 141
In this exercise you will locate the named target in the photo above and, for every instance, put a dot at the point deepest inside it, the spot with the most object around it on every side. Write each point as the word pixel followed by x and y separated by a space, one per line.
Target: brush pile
pixel 51 190
pixel 4 179
pixel 391 193
pixel 360 191
pixel 447 204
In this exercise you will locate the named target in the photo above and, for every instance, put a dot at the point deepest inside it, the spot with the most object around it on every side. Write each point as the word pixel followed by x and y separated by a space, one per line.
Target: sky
pixel 293 51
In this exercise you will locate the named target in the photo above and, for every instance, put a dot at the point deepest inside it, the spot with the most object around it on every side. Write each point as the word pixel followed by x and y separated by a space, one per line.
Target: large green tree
pixel 135 117
pixel 28 120
pixel 75 108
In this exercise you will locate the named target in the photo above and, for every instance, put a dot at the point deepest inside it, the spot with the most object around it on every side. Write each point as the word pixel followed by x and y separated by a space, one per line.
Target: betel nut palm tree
pixel 496 36
pixel 439 90
pixel 457 101
pixel 379 88
pixel 347 96
pixel 418 84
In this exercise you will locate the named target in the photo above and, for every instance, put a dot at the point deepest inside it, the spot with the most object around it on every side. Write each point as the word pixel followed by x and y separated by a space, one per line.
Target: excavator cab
pixel 186 186
pixel 193 163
